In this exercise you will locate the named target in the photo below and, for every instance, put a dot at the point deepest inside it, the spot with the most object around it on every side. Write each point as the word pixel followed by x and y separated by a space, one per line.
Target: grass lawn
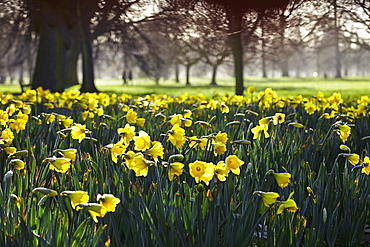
pixel 348 86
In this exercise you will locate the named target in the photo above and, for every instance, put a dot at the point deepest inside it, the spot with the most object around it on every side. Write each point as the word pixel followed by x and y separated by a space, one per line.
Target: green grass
pixel 348 86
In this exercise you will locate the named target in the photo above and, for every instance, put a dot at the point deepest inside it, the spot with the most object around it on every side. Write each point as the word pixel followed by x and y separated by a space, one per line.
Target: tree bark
pixel 264 70
pixel 88 84
pixel 177 80
pixel 235 17
pixel 50 69
pixel 214 73
pixel 338 73
pixel 188 74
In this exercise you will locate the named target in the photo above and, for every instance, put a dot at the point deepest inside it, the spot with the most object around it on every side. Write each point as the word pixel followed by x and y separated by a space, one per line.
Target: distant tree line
pixel 47 39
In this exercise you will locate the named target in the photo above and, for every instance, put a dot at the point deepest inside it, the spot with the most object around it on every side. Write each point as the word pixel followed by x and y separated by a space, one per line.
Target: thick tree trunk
pixel 235 17
pixel 88 84
pixel 73 52
pixel 50 69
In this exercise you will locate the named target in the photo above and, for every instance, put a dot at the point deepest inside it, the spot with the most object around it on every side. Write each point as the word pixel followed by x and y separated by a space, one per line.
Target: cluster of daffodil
pixel 80 200
pixel 186 138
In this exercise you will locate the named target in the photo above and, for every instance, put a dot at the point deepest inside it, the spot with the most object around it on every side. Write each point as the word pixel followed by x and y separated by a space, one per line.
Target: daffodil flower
pixel 290 205
pixel 221 171
pixel 108 201
pixel 177 136
pixel 268 198
pixel 366 166
pixel 69 153
pixel 142 142
pixel 282 179
pixel 59 164
pixel 352 158
pixel 95 210
pixel 78 131
pixel 233 164
pixel 202 171
pixel 127 133
pixel 76 197
pixel 156 150
pixel 175 169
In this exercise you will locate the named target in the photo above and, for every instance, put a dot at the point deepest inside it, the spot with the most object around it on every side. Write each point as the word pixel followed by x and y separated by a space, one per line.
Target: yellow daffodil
pixel 140 165
pixel 202 171
pixel 187 113
pixel 290 205
pixel 219 148
pixel 17 164
pixel 142 142
pixel 140 121
pixel 4 118
pixel 69 153
pixel 117 150
pixel 131 116
pixel 76 197
pixel 257 131
pixel 250 90
pixel 224 108
pixel 310 108
pixel 366 166
pixel 177 136
pixel 221 137
pixel 221 171
pixel 352 158
pixel 233 163
pixel 108 201
pixel 78 131
pixel 10 150
pixel 67 122
pixel 279 118
pixel 127 133
pixel 175 169
pixel 59 164
pixel 175 119
pixel 156 150
pixel 268 198
pixel 264 121
pixel 95 210
pixel 344 132
pixel 282 179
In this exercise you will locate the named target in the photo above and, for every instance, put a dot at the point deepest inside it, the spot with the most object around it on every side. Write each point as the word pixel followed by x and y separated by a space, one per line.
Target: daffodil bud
pixel 46 191
pixel 17 164
pixel 8 175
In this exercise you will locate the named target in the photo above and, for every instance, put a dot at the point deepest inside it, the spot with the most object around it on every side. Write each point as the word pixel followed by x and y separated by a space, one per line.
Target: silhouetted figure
pixel 130 75
pixel 325 76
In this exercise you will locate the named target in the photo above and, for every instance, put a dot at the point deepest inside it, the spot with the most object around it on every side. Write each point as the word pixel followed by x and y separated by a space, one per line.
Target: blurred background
pixel 63 43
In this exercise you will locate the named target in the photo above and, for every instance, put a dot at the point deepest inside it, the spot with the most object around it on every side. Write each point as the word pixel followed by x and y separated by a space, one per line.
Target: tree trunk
pixel 214 73
pixel 264 71
pixel 71 67
pixel 73 52
pixel 177 80
pixel 235 17
pixel 50 69
pixel 88 84
pixel 187 74
pixel 283 52
pixel 336 37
